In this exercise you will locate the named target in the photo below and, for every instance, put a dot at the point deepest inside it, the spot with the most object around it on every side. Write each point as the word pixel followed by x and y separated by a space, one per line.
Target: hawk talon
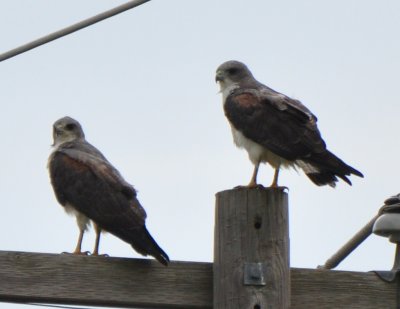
pixel 250 186
pixel 283 188
pixel 87 253
pixel 105 255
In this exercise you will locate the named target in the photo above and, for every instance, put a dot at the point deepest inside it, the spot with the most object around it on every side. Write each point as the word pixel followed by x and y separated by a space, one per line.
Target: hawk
pixel 89 187
pixel 276 129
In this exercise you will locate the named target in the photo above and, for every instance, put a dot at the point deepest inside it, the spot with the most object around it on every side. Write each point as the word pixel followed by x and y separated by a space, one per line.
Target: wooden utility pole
pixel 251 249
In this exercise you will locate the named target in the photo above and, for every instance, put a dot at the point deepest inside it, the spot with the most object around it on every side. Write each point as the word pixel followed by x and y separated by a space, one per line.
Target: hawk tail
pixel 325 169
pixel 145 244
pixel 326 178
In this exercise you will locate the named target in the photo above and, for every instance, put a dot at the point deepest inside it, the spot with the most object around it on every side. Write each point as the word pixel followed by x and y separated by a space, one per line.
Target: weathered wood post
pixel 251 249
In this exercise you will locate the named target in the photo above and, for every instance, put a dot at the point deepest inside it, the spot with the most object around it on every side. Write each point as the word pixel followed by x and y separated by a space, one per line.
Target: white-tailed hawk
pixel 276 129
pixel 88 186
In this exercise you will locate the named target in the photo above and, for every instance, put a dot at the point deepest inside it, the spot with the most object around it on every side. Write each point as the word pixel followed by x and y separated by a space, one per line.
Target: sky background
pixel 142 86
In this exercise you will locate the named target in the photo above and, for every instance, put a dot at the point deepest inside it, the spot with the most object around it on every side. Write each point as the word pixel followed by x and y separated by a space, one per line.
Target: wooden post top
pixel 251 249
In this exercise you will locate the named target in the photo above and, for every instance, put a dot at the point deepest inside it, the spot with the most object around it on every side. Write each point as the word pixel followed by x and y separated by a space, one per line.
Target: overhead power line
pixel 73 28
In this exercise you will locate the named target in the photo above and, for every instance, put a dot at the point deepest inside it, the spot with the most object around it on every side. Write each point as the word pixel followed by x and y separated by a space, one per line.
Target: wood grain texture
pixel 327 289
pixel 139 283
pixel 100 281
pixel 251 226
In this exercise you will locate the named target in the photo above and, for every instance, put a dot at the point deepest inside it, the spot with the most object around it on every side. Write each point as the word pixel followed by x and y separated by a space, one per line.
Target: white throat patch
pixel 227 89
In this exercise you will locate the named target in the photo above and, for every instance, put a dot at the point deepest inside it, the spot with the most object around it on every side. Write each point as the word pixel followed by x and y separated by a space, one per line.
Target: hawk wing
pixel 95 188
pixel 280 124
pixel 89 183
pixel 105 173
pixel 287 128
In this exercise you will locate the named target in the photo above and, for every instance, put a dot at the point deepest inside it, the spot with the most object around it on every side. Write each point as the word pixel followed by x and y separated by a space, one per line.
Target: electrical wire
pixel 73 28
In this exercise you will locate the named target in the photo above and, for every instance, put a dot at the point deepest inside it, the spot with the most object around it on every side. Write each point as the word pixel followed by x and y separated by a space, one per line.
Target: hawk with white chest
pixel 88 186
pixel 276 129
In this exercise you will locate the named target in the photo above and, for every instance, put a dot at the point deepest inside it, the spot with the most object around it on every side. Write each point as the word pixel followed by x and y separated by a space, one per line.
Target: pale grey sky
pixel 142 86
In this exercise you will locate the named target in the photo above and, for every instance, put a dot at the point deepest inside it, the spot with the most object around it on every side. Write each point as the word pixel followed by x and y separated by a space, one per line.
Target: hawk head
pixel 232 73
pixel 65 130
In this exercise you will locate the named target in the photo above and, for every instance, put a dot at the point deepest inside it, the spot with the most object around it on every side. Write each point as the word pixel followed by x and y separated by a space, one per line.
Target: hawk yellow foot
pixel 251 186
pixel 77 253
pixel 100 255
pixel 272 186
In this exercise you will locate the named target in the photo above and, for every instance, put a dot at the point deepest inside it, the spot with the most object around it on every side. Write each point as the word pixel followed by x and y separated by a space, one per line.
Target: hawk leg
pixel 253 180
pixel 275 180
pixel 78 247
pixel 79 243
pixel 97 241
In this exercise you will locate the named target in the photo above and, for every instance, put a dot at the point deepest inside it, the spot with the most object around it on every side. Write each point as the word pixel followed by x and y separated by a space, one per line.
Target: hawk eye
pixel 70 126
pixel 232 71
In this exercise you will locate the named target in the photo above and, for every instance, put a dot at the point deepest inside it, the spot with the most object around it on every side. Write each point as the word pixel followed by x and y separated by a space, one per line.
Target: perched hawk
pixel 88 186
pixel 276 129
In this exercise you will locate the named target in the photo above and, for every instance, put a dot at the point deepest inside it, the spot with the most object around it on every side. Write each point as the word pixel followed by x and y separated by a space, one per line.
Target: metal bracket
pixel 387 276
pixel 255 274
pixel 391 275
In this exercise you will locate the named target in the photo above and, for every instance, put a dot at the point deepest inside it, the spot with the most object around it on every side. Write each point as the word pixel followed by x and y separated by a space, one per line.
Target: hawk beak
pixel 219 77
pixel 56 133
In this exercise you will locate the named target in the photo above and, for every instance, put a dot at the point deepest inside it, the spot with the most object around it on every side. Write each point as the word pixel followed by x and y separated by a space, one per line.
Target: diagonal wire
pixel 68 30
